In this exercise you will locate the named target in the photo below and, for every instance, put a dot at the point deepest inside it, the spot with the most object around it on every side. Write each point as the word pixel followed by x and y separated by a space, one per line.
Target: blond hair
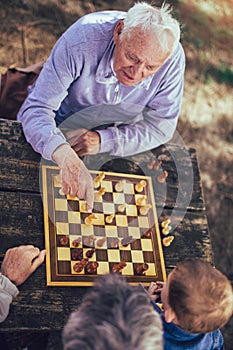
pixel 200 295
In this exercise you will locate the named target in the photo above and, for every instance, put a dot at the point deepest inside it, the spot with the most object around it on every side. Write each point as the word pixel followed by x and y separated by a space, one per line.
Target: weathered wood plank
pixel 20 168
pixel 21 217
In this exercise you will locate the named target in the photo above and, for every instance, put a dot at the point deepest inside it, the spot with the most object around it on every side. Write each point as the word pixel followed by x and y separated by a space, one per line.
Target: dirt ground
pixel 29 29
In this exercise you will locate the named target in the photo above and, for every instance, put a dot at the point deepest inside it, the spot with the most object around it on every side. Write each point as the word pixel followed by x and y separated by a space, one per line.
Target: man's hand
pixel 19 262
pixel 76 179
pixel 83 141
pixel 155 289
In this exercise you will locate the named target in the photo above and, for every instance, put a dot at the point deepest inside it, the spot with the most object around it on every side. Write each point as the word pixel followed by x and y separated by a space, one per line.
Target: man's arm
pixel 8 291
pixel 18 264
pixel 37 117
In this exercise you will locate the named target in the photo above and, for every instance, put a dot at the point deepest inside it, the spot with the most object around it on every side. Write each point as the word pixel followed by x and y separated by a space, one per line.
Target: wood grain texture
pixel 42 308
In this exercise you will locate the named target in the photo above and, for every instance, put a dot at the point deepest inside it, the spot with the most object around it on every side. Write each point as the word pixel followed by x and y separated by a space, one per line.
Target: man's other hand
pixel 19 262
pixel 83 141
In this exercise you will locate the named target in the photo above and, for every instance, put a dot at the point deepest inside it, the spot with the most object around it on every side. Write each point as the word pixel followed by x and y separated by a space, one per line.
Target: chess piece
pixel 141 200
pixel 114 243
pixel 126 241
pixel 102 191
pixel 157 164
pixel 98 195
pixel 151 164
pixel 101 242
pixel 165 222
pixel 121 208
pixel 77 254
pixel 89 219
pixel 109 218
pixel 147 234
pixel 162 177
pixel 99 178
pixel 139 186
pixel 92 267
pixel 79 266
pixel 142 268
pixel 77 242
pixel 144 209
pixel 168 240
pixel 118 267
pixel 61 192
pixel 90 253
pixel 166 230
pixel 120 186
pixel 89 240
pixel 64 240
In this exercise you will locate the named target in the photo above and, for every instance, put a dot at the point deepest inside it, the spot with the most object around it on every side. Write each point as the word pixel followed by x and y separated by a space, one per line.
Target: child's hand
pixel 155 289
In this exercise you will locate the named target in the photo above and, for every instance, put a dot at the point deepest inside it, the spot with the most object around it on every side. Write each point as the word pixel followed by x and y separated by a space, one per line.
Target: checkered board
pixel 65 217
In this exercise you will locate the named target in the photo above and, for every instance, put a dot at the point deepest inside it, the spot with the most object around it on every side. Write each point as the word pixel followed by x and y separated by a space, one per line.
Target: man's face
pixel 136 58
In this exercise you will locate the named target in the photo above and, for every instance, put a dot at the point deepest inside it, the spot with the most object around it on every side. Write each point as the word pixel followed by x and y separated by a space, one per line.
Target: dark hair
pixel 114 316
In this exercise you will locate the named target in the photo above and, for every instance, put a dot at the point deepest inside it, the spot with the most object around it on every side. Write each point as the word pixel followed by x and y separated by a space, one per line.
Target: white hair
pixel 147 18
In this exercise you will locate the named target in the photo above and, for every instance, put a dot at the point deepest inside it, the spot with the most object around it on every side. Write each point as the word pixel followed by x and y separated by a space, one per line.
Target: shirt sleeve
pixel 37 113
pixel 8 291
pixel 159 120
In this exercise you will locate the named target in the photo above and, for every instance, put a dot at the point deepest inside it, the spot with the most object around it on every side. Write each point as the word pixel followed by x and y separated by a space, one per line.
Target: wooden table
pixel 41 308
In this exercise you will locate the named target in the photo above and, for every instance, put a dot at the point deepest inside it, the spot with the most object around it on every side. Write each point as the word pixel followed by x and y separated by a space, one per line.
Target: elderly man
pixel 114 315
pixel 128 68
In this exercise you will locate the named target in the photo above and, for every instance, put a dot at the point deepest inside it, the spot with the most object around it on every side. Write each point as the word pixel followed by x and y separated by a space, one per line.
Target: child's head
pixel 197 297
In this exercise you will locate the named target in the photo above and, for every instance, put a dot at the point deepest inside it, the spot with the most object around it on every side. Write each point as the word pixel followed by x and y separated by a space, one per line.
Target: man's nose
pixel 137 70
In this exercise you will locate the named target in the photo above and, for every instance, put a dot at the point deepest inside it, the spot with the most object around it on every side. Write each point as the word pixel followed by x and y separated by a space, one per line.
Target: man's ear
pixel 170 316
pixel 118 30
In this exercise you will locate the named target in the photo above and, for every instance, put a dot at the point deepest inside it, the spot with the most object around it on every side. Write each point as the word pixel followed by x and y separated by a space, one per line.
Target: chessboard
pixel 120 235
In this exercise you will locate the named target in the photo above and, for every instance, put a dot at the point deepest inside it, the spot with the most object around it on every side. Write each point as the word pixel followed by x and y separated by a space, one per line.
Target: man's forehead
pixel 148 51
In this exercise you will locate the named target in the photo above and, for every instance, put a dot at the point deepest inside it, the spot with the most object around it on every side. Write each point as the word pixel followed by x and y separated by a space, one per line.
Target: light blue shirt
pixel 77 85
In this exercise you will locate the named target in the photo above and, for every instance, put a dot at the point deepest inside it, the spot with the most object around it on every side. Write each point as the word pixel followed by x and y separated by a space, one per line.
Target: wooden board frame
pixel 57 278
